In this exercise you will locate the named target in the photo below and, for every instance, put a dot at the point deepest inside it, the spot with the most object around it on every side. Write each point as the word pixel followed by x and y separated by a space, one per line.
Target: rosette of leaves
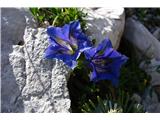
pixel 123 104
pixel 103 106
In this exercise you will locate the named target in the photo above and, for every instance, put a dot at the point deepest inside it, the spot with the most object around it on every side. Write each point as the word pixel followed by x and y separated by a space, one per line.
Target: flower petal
pixel 57 32
pixel 106 43
pixel 52 42
pixel 83 42
pixel 105 62
pixel 67 43
pixel 89 53
pixel 75 26
pixel 56 52
pixel 96 76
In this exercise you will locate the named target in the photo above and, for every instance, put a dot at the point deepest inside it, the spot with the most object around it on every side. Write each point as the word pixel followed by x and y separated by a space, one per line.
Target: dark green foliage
pixel 58 16
pixel 132 79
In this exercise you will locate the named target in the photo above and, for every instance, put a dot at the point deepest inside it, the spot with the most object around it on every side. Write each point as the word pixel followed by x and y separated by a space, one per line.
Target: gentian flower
pixel 67 43
pixel 105 62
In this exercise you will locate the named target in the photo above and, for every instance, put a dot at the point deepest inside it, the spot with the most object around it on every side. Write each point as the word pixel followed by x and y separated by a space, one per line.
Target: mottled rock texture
pixel 30 83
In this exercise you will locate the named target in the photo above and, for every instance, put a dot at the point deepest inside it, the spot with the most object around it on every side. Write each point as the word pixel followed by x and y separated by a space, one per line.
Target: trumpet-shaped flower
pixel 105 62
pixel 67 43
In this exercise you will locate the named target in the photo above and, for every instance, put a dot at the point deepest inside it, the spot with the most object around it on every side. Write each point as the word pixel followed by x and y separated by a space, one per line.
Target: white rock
pixel 41 88
pixel 30 83
pixel 103 22
pixel 142 39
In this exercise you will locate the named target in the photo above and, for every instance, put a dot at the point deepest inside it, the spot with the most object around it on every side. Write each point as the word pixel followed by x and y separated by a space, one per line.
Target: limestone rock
pixel 42 83
pixel 30 83
pixel 103 22
pixel 142 39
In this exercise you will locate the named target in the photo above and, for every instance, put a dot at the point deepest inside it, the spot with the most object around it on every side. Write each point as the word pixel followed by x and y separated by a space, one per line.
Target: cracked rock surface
pixel 29 82
pixel 41 83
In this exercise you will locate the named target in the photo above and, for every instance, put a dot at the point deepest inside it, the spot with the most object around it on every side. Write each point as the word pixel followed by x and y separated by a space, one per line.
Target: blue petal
pixel 57 32
pixel 53 52
pixel 115 54
pixel 67 43
pixel 50 52
pixel 89 53
pixel 52 41
pixel 83 41
pixel 106 43
pixel 95 77
pixel 75 26
pixel 109 71
pixel 117 64
pixel 105 54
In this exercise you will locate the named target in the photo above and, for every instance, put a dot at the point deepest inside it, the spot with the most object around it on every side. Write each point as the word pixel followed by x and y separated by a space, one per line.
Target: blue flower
pixel 67 43
pixel 105 62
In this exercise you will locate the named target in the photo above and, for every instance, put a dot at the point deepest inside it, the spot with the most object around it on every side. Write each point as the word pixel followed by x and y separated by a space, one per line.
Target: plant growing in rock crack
pixel 96 71
pixel 69 44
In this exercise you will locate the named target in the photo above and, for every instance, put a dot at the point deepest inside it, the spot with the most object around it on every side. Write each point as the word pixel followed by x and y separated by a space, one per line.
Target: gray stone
pixel 103 22
pixel 42 83
pixel 156 34
pixel 14 22
pixel 154 108
pixel 152 69
pixel 30 83
pixel 137 98
pixel 151 102
pixel 142 39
